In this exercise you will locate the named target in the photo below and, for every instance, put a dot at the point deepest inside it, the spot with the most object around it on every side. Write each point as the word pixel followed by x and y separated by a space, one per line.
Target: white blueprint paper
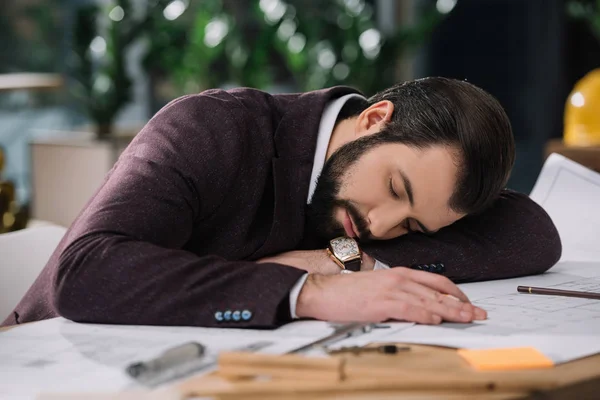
pixel 510 312
pixel 58 355
pixel 559 349
pixel 563 328
pixel 570 194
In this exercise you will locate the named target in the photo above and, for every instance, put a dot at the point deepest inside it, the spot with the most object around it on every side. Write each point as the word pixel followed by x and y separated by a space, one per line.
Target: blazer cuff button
pixel 219 316
pixel 246 315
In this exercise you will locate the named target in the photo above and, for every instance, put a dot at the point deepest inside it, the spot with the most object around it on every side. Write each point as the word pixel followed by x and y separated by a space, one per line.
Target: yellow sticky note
pixel 506 359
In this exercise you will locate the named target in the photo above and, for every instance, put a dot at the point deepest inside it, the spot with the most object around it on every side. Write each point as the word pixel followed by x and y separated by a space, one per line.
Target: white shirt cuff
pixel 294 293
pixel 380 265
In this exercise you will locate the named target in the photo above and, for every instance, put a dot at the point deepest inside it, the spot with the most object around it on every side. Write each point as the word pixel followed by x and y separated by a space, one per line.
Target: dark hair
pixel 442 111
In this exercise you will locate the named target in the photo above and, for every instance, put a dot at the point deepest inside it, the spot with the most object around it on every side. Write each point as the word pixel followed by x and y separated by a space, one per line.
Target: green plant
pixel 343 45
pixel 214 43
pixel 588 11
pixel 261 43
pixel 102 36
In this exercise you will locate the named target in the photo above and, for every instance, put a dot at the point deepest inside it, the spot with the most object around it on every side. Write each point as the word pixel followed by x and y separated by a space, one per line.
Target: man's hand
pixel 314 261
pixel 374 296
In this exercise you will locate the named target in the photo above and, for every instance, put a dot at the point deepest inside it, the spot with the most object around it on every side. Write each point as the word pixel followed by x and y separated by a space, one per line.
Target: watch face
pixel 344 248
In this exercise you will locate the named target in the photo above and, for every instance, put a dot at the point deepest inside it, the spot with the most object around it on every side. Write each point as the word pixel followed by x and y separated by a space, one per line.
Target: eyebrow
pixel 411 200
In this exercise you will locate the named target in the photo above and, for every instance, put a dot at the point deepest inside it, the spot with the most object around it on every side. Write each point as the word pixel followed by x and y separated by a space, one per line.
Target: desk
pixel 575 380
pixel 587 156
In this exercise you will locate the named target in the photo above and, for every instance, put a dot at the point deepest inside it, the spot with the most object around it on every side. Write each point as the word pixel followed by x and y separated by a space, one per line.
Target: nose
pixel 385 220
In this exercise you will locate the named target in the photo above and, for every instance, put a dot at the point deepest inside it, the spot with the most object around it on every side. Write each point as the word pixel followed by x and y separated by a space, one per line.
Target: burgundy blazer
pixel 217 180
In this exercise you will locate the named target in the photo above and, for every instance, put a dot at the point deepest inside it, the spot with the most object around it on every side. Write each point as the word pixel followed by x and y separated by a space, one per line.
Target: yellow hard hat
pixel 582 112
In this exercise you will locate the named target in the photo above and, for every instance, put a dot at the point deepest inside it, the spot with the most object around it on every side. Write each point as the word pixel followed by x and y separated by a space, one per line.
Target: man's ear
pixel 374 118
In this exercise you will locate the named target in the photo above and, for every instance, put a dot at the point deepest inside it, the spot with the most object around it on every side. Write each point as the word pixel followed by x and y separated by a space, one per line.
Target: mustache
pixel 360 222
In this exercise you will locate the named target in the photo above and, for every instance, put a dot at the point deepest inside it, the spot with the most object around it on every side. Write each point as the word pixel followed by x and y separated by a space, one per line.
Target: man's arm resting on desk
pixel 123 261
pixel 514 237
pixel 373 295
pixel 395 293
pixel 158 286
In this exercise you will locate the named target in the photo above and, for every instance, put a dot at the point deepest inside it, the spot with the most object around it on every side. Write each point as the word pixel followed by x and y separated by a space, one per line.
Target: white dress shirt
pixel 326 126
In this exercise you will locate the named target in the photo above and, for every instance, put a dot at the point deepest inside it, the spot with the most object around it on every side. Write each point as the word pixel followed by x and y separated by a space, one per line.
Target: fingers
pixel 447 309
pixel 406 306
pixel 436 282
pixel 439 303
pixel 428 297
pixel 428 293
pixel 480 314
pixel 475 312
pixel 405 310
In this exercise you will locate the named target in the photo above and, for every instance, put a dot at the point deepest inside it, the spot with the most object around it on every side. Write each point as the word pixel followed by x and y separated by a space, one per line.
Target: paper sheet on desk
pixel 58 355
pixel 563 328
pixel 570 194
pixel 559 349
pixel 379 334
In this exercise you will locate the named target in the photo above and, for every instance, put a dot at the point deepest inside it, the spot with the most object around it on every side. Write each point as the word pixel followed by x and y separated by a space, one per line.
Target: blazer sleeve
pixel 514 237
pixel 124 260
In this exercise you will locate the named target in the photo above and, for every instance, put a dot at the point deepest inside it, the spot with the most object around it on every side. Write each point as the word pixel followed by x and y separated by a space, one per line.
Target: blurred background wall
pixel 109 65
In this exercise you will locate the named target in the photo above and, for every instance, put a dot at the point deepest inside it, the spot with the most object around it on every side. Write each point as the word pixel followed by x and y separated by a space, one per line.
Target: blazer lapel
pixel 290 178
pixel 295 144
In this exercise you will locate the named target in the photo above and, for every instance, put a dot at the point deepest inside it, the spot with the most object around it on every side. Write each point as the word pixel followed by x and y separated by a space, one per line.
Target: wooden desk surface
pixel 574 380
pixel 441 370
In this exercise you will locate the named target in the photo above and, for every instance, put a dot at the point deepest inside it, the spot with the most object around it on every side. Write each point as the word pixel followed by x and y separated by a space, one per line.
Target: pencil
pixel 558 292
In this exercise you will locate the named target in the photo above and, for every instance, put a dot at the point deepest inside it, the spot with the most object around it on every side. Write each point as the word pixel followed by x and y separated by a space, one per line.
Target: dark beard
pixel 321 221
pixel 320 212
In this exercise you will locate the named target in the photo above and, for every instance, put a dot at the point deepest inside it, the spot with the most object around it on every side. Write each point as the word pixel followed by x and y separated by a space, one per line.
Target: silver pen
pixel 342 331
pixel 171 358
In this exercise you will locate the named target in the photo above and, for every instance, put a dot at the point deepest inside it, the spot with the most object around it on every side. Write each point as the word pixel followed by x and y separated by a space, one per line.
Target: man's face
pixel 382 191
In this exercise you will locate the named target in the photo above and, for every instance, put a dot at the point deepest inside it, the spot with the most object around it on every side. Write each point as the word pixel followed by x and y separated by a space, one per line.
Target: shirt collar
pixel 330 114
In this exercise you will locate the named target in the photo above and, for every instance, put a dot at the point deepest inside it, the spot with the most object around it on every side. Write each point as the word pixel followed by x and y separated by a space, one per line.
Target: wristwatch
pixel 344 251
